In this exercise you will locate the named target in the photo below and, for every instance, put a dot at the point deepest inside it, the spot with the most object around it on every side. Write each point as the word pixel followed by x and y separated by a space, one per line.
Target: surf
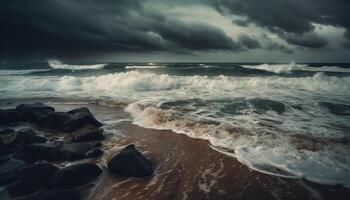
pixel 55 64
pixel 292 67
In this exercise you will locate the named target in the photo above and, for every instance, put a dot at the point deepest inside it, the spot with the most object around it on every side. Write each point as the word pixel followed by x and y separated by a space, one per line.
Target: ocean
pixel 290 120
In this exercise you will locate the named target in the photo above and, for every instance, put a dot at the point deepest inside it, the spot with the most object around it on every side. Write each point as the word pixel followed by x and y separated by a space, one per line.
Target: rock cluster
pixel 25 155
pixel 25 170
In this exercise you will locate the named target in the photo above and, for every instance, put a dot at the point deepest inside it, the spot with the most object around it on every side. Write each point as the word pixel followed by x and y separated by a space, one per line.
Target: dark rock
pixel 94 153
pixel 6 131
pixel 45 151
pixel 44 115
pixel 54 152
pixel 8 170
pixel 5 149
pixel 33 112
pixel 97 144
pixel 22 138
pixel 74 151
pixel 48 119
pixel 34 108
pixel 62 118
pixel 87 133
pixel 75 119
pixel 32 178
pixel 75 175
pixel 55 194
pixel 10 116
pixel 130 162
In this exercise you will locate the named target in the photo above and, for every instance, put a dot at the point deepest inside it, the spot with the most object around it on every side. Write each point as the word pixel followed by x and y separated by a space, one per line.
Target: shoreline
pixel 186 168
pixel 189 168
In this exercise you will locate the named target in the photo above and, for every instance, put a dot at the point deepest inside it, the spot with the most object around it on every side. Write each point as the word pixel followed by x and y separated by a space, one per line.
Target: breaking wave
pixel 286 126
pixel 283 155
pixel 144 66
pixel 208 66
pixel 117 83
pixel 55 64
pixel 289 68
pixel 125 82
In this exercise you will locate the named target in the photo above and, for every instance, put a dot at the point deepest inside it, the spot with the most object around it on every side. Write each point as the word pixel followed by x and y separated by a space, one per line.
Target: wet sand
pixel 189 168
pixel 186 168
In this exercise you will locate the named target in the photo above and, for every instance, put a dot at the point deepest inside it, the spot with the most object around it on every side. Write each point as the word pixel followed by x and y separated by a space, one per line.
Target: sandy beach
pixel 186 168
pixel 175 100
pixel 190 169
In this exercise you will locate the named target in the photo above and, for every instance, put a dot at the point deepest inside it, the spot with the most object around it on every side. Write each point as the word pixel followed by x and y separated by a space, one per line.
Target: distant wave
pixel 122 83
pixel 55 64
pixel 21 72
pixel 289 68
pixel 144 66
pixel 208 66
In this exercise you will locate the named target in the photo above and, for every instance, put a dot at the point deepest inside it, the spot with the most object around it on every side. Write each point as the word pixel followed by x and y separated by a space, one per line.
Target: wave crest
pixel 55 64
pixel 145 67
pixel 187 86
pixel 276 154
pixel 289 68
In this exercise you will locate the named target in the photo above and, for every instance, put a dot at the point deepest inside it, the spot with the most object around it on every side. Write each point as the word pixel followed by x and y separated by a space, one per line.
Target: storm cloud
pixel 43 29
pixel 74 27
pixel 293 20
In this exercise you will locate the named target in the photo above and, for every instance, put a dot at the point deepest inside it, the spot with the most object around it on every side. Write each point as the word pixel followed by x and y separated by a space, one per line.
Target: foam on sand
pixel 322 161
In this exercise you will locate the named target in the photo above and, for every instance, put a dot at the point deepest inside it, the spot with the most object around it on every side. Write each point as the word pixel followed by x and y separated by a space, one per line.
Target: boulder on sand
pixel 55 194
pixel 75 151
pixel 10 116
pixel 44 115
pixel 32 178
pixel 6 131
pixel 94 153
pixel 75 119
pixel 45 151
pixel 9 168
pixel 34 112
pixel 87 133
pixel 57 151
pixel 22 138
pixel 130 162
pixel 75 175
pixel 68 121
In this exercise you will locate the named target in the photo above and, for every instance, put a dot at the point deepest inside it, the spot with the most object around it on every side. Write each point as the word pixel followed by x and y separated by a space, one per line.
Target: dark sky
pixel 170 30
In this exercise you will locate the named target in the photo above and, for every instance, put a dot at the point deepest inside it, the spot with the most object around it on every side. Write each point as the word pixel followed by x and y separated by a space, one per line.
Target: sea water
pixel 289 120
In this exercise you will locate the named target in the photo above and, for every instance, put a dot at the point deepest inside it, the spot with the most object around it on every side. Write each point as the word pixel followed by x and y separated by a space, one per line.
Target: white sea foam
pixel 208 66
pixel 129 84
pixel 55 64
pixel 145 66
pixel 198 106
pixel 289 68
pixel 265 152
